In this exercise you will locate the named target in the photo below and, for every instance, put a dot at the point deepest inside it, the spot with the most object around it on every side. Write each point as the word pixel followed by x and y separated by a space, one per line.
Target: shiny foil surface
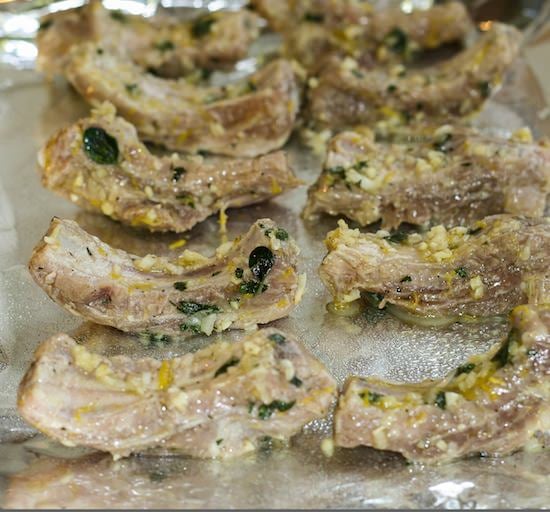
pixel 35 472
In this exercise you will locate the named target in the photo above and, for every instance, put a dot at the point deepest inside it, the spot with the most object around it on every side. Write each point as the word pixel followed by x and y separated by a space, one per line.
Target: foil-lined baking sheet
pixel 35 472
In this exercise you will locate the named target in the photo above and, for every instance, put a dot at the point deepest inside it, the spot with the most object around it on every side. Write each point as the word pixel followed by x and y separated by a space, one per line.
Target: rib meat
pixel 171 193
pixel 248 118
pixel 168 46
pixel 219 402
pixel 500 262
pixel 347 94
pixel 444 175
pixel 252 280
pixel 495 404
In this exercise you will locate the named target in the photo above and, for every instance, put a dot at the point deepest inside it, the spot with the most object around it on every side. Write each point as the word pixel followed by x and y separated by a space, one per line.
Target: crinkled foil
pixel 35 472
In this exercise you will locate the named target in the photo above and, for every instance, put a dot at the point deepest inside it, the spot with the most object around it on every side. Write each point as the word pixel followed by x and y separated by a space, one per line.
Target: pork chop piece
pixel 372 37
pixel 347 95
pixel 500 262
pixel 164 44
pixel 495 404
pixel 252 280
pixel 443 175
pixel 100 164
pixel 218 402
pixel 248 118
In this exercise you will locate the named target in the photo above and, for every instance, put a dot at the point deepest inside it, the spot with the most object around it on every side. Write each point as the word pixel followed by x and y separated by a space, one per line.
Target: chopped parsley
pixel 239 273
pixel 223 368
pixel 337 169
pixel 397 40
pixel 266 410
pixel 191 308
pixel 219 441
pixel 484 89
pixel 295 381
pixel 186 199
pixel 314 17
pixel 277 338
pixel 151 339
pixel 164 46
pixel 461 272
pixel 201 26
pixel 465 368
pixel 405 279
pixel 391 88
pixel 99 146
pixel 281 234
pixel 131 88
pixel 441 400
pixel 252 288
pixel 177 173
pixel 370 396
pixel 397 236
pixel 474 231
pixel 180 285
pixel 357 73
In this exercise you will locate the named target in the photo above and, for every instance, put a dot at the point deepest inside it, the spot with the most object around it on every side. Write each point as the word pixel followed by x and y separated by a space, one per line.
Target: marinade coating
pixel 245 119
pixel 169 193
pixel 164 44
pixel 498 263
pixel 346 94
pixel 439 175
pixel 494 404
pixel 252 280
pixel 222 401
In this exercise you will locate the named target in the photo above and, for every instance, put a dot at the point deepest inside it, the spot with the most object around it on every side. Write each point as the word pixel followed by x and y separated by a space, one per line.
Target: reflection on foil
pixel 448 494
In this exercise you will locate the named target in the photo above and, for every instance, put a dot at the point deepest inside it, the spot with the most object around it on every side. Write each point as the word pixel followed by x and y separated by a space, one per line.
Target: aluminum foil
pixel 35 472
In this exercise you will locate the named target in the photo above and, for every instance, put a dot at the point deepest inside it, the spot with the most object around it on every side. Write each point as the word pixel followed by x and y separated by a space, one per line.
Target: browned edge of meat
pixel 221 401
pixel 249 118
pixel 100 164
pixel 496 264
pixel 252 280
pixel 439 175
pixel 164 44
pixel 494 404
pixel 346 94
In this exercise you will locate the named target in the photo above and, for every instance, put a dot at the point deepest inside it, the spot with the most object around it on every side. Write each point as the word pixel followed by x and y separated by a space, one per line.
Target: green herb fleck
pixel 186 199
pixel 177 173
pixel 397 40
pixel 277 338
pixel 461 272
pixel 252 288
pixel 296 382
pixel 474 231
pixel 370 396
pixel 131 88
pixel 397 237
pixel 118 16
pixel 281 234
pixel 219 441
pixel 191 308
pixel 151 339
pixel 338 169
pixel 261 261
pixel 406 279
pixel 440 400
pixel 223 368
pixel 442 143
pixel 466 164
pixel 502 357
pixel 100 146
pixel 157 476
pixel 164 46
pixel 251 86
pixel 266 410
pixel 314 17
pixel 465 368
pixel 485 89
pixel 357 73
pixel 239 273
pixel 193 326
pixel 391 88
pixel 201 26
pixel 180 285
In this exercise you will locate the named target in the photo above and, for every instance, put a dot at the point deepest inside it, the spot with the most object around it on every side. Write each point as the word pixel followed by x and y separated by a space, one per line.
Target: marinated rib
pixel 219 402
pixel 252 280
pixel 488 269
pixel 248 118
pixel 100 164
pixel 347 94
pixel 495 404
pixel 168 46
pixel 373 37
pixel 446 175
